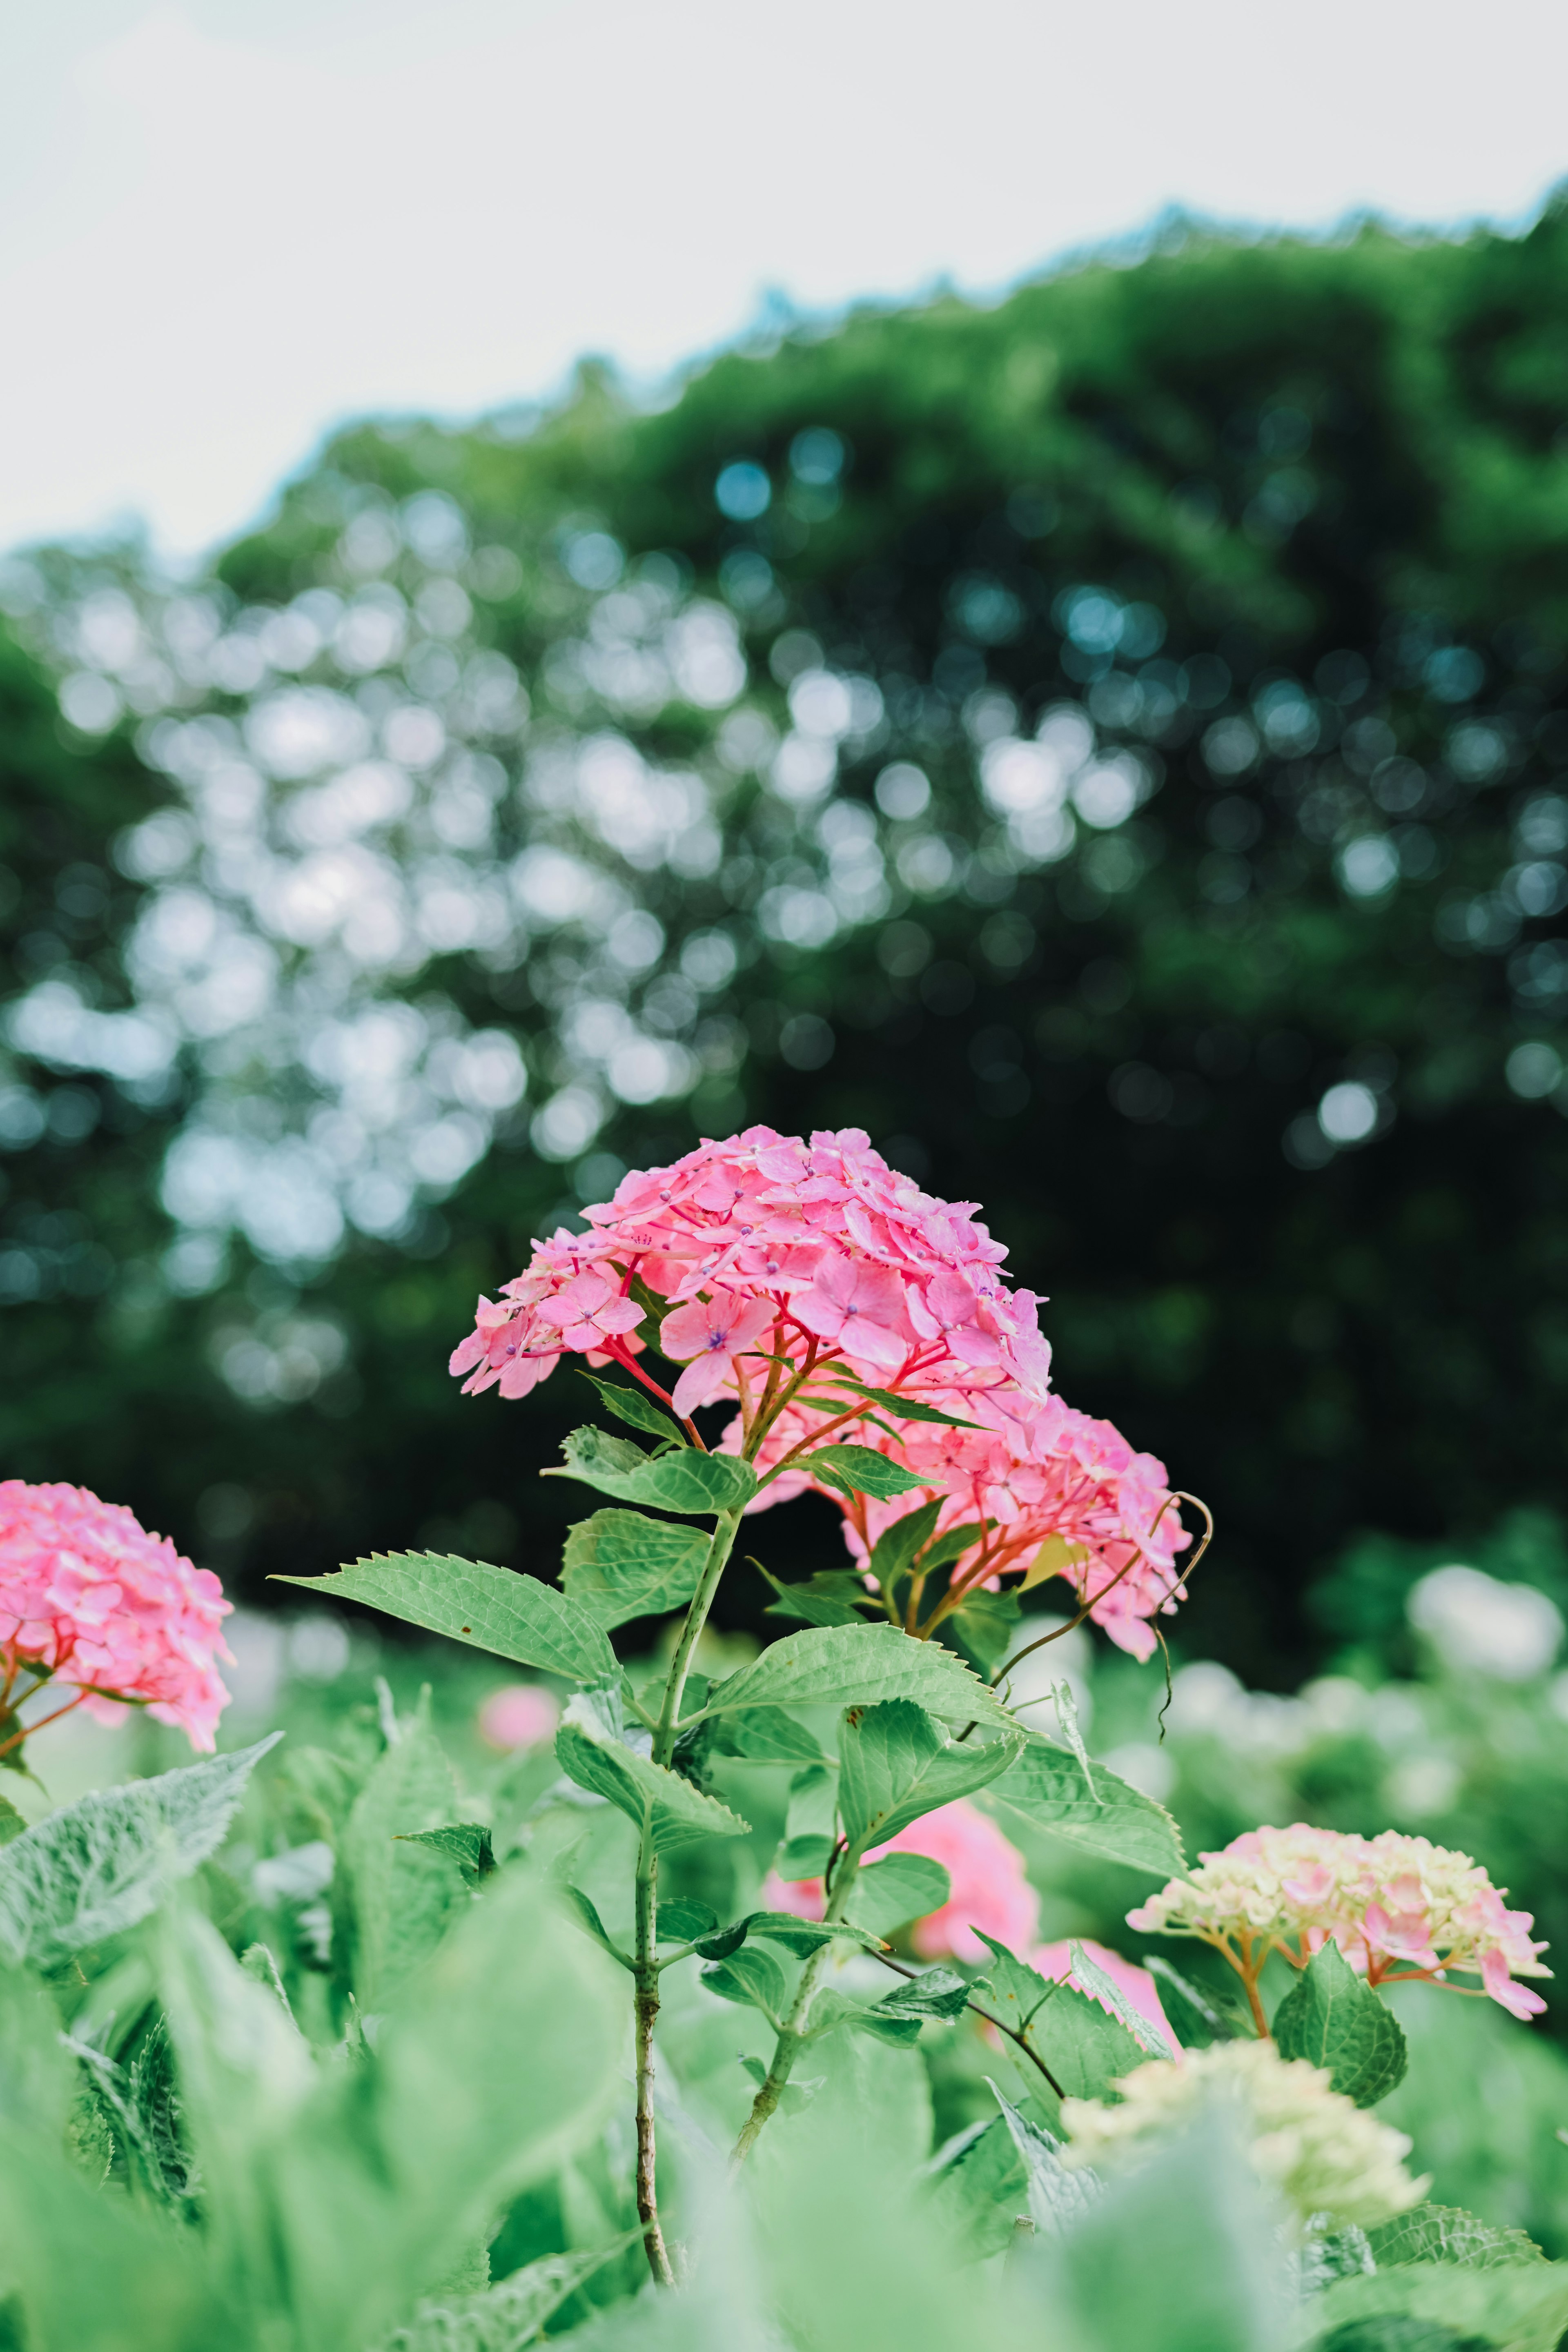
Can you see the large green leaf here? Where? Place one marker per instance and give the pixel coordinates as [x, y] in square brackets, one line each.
[1085, 2049]
[619, 1565]
[894, 1550]
[896, 1763]
[685, 1482]
[856, 1666]
[636, 1409]
[99, 1865]
[505, 2317]
[1518, 2307]
[980, 2189]
[1333, 2018]
[1092, 1978]
[659, 1800]
[1442, 2233]
[1096, 1811]
[1056, 2197]
[402, 1895]
[834, 1596]
[753, 1979]
[858, 1470]
[492, 1609]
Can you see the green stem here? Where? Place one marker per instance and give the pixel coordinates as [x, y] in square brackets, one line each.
[645, 1973]
[792, 2032]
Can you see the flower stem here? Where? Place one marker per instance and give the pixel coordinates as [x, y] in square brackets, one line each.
[645, 1973]
[791, 2032]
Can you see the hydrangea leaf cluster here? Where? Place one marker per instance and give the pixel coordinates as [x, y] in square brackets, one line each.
[1323, 2154]
[90, 1600]
[1398, 1908]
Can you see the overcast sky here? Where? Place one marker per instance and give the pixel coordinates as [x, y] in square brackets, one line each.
[229, 225]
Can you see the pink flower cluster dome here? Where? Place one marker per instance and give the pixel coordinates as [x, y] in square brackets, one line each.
[1047, 1490]
[990, 1890]
[765, 1247]
[108, 1609]
[1397, 1908]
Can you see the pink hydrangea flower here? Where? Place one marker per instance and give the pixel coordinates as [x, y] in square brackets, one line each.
[1398, 1908]
[990, 1890]
[519, 1715]
[855, 1266]
[712, 1332]
[107, 1610]
[1138, 1985]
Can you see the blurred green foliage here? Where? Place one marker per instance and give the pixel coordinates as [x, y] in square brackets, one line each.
[1286, 521]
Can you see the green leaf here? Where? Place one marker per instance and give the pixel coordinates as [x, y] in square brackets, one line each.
[832, 2009]
[588, 1919]
[1518, 2308]
[637, 1409]
[619, 1565]
[658, 1800]
[895, 1764]
[982, 2191]
[402, 1893]
[1333, 2018]
[803, 1937]
[858, 1470]
[892, 1555]
[1443, 2233]
[1056, 2197]
[1085, 2049]
[805, 1856]
[97, 1867]
[1196, 2018]
[492, 1609]
[506, 2316]
[888, 1893]
[856, 1666]
[834, 1596]
[751, 1978]
[12, 1823]
[1095, 1811]
[467, 1843]
[681, 1921]
[935, 1993]
[763, 1735]
[1092, 1978]
[688, 1482]
[908, 1408]
[986, 1626]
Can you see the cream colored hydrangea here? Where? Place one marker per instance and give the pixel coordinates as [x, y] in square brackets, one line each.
[1323, 2154]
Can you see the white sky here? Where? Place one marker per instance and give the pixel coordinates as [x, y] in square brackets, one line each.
[228, 224]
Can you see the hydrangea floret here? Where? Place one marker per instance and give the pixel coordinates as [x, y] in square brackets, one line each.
[90, 1601]
[1324, 2154]
[1398, 1908]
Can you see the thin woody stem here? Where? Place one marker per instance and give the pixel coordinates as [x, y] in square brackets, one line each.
[792, 2032]
[1011, 2031]
[28, 1729]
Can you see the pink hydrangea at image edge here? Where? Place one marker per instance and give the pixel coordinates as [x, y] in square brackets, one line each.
[1056, 1961]
[87, 1591]
[989, 1891]
[519, 1715]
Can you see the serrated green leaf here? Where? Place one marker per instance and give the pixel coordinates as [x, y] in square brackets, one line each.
[1196, 2018]
[907, 1408]
[1520, 2307]
[1085, 2049]
[12, 1823]
[751, 1978]
[636, 1409]
[1090, 1978]
[1097, 1812]
[1443, 2233]
[982, 2190]
[858, 1470]
[888, 1893]
[619, 1565]
[901, 2032]
[1056, 2197]
[402, 1895]
[658, 1800]
[762, 1735]
[935, 1993]
[858, 1665]
[467, 1843]
[894, 1550]
[895, 1764]
[1331, 2017]
[587, 1915]
[986, 1627]
[686, 1482]
[487, 1608]
[96, 1867]
[834, 1596]
[510, 2315]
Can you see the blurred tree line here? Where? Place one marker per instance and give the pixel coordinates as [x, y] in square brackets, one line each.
[1110, 745]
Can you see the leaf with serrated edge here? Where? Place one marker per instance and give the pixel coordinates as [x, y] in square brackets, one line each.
[487, 1608]
[97, 1867]
[936, 1992]
[858, 1470]
[908, 1408]
[888, 1893]
[895, 1765]
[636, 1409]
[1444, 2234]
[619, 1565]
[686, 1482]
[1102, 1813]
[659, 1800]
[1199, 2019]
[751, 1978]
[467, 1843]
[1333, 2018]
[1090, 1978]
[895, 1548]
[765, 1735]
[856, 1666]
[1057, 2196]
[834, 1596]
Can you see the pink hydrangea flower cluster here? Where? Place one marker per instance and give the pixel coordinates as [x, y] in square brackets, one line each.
[1048, 1491]
[1398, 1908]
[87, 1595]
[772, 1256]
[990, 1890]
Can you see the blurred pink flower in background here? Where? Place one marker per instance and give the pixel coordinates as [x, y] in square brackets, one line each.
[1056, 1961]
[990, 1890]
[519, 1715]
